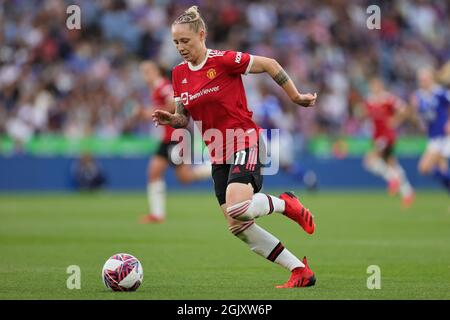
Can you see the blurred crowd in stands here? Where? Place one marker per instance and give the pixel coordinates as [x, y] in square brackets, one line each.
[87, 82]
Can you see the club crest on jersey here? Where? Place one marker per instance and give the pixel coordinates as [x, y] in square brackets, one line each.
[211, 73]
[238, 57]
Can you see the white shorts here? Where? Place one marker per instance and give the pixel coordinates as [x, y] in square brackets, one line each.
[439, 145]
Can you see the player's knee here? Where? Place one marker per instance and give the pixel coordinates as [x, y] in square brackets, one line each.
[184, 176]
[238, 192]
[240, 211]
[154, 175]
[184, 179]
[424, 169]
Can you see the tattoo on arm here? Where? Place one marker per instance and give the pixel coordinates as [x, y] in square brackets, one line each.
[281, 77]
[180, 108]
[181, 118]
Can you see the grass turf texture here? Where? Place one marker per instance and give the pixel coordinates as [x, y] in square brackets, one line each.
[193, 256]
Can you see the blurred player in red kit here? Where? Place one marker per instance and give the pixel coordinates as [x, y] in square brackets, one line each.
[208, 88]
[386, 112]
[162, 98]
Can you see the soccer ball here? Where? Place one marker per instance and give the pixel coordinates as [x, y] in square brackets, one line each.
[122, 272]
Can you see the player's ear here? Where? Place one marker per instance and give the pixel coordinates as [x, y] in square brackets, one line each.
[202, 35]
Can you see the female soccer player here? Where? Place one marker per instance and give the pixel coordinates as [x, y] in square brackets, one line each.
[162, 97]
[208, 87]
[432, 105]
[386, 112]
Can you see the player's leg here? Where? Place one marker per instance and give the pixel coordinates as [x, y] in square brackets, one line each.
[432, 162]
[374, 163]
[156, 189]
[398, 182]
[259, 240]
[268, 246]
[189, 173]
[405, 188]
[244, 204]
[262, 204]
[156, 186]
[428, 162]
[444, 173]
[443, 162]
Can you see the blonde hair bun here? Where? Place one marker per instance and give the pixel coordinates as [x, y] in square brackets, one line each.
[193, 17]
[193, 10]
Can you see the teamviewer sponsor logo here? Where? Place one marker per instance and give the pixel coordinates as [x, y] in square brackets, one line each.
[203, 92]
[186, 97]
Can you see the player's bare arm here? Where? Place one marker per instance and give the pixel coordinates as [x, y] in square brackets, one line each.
[179, 119]
[279, 75]
[170, 105]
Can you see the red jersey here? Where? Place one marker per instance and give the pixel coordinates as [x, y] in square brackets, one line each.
[381, 111]
[161, 92]
[214, 94]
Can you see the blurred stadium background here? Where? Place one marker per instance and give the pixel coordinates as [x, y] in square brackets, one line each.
[69, 94]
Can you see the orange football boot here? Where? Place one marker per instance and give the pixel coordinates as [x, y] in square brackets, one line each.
[150, 218]
[297, 212]
[300, 277]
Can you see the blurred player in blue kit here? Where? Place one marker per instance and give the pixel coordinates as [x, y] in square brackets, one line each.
[431, 104]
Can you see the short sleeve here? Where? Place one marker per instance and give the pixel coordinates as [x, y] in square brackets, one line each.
[236, 62]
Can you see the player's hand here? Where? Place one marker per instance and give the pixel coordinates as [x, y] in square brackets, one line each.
[161, 117]
[306, 100]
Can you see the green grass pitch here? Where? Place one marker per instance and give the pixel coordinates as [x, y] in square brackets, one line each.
[193, 256]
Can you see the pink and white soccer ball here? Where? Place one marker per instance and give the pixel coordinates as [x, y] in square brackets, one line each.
[122, 272]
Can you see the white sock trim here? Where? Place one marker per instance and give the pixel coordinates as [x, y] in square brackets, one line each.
[260, 205]
[237, 210]
[288, 260]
